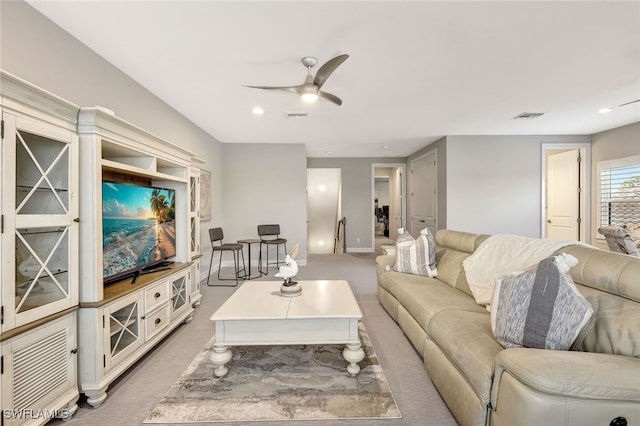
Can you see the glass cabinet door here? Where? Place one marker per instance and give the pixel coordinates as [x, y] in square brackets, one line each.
[179, 294]
[39, 208]
[42, 267]
[194, 213]
[123, 329]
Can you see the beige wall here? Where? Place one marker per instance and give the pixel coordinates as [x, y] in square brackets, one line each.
[38, 51]
[265, 184]
[608, 145]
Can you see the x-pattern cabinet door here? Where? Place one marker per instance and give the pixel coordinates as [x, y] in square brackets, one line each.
[123, 329]
[40, 214]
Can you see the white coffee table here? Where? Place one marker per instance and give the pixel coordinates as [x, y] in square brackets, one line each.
[257, 314]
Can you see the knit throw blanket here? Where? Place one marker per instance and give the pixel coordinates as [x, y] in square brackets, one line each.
[503, 254]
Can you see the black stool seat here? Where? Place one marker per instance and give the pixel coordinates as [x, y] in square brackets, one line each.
[228, 246]
[216, 235]
[270, 236]
[274, 241]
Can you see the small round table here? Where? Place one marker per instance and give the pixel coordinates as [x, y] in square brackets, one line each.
[248, 242]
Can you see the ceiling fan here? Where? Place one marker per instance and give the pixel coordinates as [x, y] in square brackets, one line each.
[628, 103]
[309, 91]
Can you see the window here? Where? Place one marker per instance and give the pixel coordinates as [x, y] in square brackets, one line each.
[619, 191]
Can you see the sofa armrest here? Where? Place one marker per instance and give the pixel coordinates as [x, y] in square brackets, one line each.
[385, 260]
[572, 374]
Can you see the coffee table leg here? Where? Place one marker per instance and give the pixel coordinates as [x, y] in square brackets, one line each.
[353, 353]
[220, 356]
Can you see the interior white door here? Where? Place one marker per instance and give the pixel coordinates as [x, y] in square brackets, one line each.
[395, 202]
[563, 195]
[423, 194]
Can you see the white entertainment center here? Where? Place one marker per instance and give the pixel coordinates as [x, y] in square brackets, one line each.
[123, 321]
[62, 332]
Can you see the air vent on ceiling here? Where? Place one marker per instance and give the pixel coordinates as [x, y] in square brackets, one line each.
[297, 115]
[528, 115]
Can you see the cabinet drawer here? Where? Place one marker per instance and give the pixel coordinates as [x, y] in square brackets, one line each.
[156, 295]
[156, 321]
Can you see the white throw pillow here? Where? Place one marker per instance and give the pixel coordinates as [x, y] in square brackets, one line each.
[541, 307]
[416, 256]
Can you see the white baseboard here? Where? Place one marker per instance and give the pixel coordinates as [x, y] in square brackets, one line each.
[229, 264]
[359, 250]
[254, 264]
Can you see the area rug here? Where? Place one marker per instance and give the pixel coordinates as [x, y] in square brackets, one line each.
[298, 382]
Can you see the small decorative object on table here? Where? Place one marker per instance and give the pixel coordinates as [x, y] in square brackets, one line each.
[287, 271]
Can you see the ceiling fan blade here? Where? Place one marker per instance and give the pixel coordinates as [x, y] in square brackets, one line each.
[330, 97]
[327, 69]
[632, 102]
[292, 89]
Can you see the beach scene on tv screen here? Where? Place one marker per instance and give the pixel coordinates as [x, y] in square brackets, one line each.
[138, 226]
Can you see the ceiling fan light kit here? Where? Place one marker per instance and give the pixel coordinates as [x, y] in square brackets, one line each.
[310, 91]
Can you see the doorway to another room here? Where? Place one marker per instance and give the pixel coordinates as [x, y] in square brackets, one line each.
[565, 191]
[388, 188]
[324, 210]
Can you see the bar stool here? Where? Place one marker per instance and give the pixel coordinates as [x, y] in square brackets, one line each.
[270, 236]
[216, 235]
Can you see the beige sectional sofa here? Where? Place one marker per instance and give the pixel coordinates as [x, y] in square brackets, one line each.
[597, 382]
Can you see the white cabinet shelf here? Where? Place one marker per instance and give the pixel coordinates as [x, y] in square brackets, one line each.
[123, 167]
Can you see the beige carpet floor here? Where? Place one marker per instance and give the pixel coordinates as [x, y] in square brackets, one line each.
[134, 395]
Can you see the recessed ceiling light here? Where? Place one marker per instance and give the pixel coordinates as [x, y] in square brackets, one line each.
[386, 147]
[329, 152]
[605, 110]
[257, 110]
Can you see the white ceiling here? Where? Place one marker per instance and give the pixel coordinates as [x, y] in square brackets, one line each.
[417, 70]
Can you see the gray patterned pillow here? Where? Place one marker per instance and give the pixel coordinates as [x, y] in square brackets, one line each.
[416, 256]
[539, 308]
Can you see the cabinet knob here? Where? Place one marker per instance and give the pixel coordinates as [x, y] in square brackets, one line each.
[76, 220]
[157, 321]
[156, 295]
[143, 317]
[74, 351]
[618, 421]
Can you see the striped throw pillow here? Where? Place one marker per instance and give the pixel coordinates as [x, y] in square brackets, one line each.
[416, 256]
[539, 308]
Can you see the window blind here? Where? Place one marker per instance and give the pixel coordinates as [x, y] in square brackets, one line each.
[620, 191]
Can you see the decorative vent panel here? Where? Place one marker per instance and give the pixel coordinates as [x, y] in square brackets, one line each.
[38, 369]
[528, 115]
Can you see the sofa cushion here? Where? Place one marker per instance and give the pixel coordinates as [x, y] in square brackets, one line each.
[539, 308]
[450, 269]
[416, 256]
[466, 340]
[424, 299]
[393, 281]
[609, 281]
[615, 325]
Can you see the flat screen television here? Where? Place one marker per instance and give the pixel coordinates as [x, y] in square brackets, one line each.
[138, 230]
